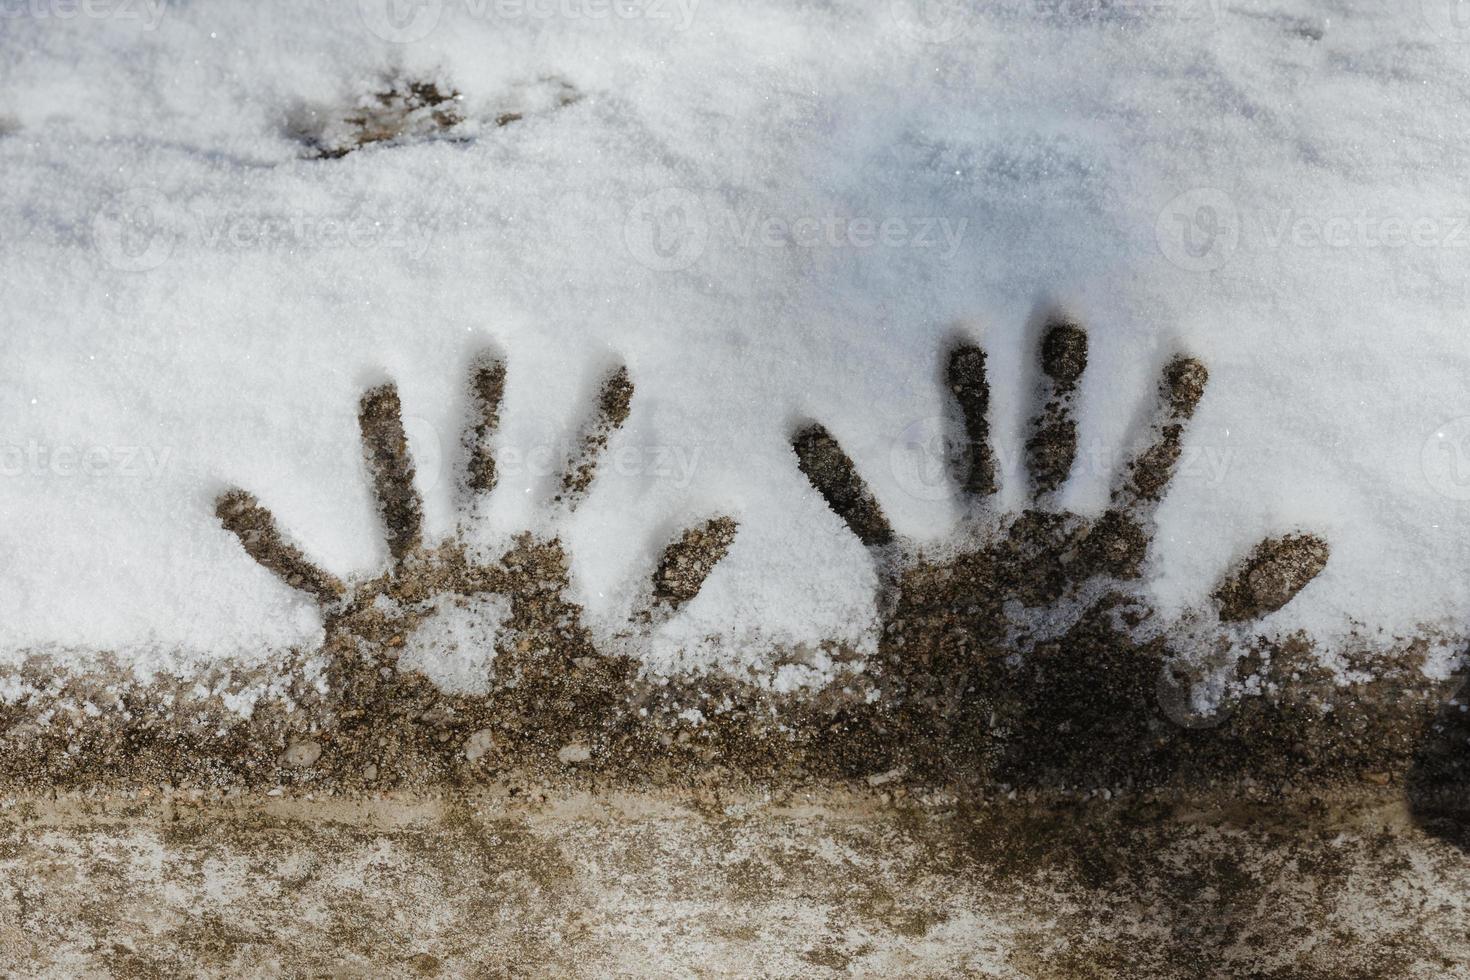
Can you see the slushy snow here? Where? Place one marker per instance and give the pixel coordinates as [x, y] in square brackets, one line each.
[771, 212]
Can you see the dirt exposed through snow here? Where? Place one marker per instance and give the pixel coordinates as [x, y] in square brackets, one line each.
[1024, 661]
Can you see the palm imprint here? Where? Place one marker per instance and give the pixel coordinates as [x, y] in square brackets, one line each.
[1043, 632]
[373, 617]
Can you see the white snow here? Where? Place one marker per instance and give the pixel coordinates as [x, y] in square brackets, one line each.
[771, 212]
[454, 645]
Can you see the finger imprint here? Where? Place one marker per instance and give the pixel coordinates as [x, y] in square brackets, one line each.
[975, 464]
[1052, 447]
[386, 449]
[832, 474]
[1148, 474]
[613, 405]
[487, 389]
[243, 516]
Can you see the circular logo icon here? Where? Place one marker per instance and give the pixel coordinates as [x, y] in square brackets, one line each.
[401, 21]
[667, 230]
[921, 459]
[1449, 19]
[136, 231]
[1445, 459]
[1175, 692]
[930, 21]
[1199, 230]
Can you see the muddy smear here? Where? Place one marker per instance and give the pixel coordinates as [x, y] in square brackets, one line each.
[405, 111]
[1439, 781]
[402, 111]
[1027, 662]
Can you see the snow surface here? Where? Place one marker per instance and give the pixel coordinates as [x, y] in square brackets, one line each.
[1275, 187]
[454, 646]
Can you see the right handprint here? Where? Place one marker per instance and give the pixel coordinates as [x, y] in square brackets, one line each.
[1035, 655]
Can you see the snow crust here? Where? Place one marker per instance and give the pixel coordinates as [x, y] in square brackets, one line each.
[455, 644]
[770, 213]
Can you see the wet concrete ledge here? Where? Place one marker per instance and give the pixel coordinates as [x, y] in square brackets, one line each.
[522, 879]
